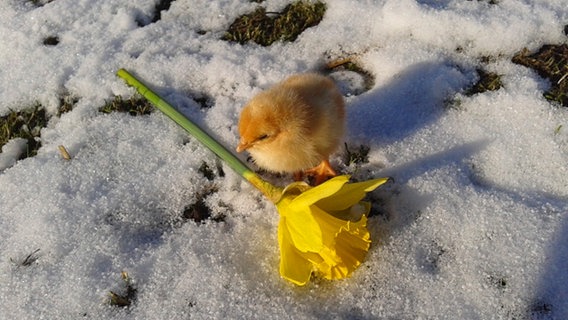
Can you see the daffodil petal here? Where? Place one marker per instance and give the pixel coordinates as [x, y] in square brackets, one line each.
[349, 195]
[345, 244]
[324, 190]
[330, 226]
[293, 266]
[347, 257]
[305, 233]
[352, 246]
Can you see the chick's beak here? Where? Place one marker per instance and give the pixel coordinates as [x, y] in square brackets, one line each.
[243, 146]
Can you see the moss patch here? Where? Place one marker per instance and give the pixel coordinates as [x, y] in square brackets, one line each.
[127, 294]
[25, 124]
[550, 62]
[488, 81]
[66, 103]
[265, 28]
[350, 64]
[135, 106]
[357, 156]
[28, 122]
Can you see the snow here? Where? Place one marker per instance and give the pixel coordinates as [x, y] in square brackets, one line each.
[474, 227]
[11, 151]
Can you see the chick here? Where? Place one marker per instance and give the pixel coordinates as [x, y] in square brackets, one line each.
[294, 126]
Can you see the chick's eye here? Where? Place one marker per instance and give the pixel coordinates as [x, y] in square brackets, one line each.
[262, 137]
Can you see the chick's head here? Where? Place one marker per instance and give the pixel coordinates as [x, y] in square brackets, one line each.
[273, 128]
[257, 128]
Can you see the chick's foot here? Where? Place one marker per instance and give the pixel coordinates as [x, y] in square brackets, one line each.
[321, 172]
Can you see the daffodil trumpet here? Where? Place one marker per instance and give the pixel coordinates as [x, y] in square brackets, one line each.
[322, 229]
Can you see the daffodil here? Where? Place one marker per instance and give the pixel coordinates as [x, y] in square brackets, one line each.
[322, 229]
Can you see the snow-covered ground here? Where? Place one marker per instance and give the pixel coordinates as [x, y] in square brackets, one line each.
[474, 227]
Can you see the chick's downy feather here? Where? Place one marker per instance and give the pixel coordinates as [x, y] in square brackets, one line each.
[295, 125]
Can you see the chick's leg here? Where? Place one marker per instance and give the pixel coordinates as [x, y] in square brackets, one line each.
[321, 172]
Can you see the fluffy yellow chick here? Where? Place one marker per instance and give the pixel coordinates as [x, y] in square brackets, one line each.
[294, 126]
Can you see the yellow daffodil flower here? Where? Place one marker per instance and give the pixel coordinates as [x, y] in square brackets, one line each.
[322, 229]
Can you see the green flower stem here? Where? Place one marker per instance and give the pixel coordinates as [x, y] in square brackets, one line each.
[234, 162]
[269, 190]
